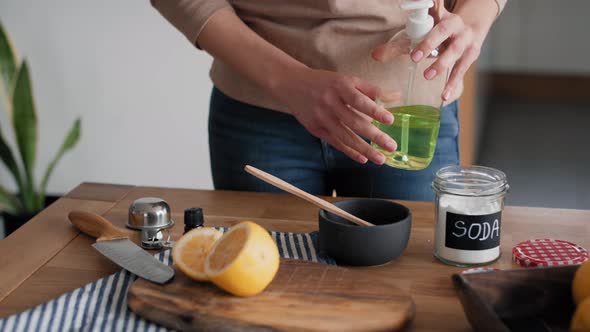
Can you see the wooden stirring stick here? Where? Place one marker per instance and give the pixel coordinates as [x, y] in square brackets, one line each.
[306, 196]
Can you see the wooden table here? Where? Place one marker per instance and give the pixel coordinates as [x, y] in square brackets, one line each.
[48, 257]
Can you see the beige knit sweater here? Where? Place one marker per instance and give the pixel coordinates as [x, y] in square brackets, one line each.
[335, 35]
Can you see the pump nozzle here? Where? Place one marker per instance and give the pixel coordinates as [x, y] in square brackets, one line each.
[419, 22]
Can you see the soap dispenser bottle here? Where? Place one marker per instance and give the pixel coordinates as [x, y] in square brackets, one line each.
[414, 101]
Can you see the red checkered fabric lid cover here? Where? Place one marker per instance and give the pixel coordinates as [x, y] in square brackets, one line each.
[548, 252]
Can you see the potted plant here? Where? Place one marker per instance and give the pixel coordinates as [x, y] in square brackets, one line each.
[17, 99]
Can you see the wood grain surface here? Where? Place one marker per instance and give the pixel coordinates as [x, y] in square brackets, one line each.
[303, 296]
[322, 204]
[39, 240]
[48, 257]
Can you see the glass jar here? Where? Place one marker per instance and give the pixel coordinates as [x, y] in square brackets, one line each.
[468, 211]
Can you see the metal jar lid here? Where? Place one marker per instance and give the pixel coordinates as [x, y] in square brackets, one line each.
[149, 213]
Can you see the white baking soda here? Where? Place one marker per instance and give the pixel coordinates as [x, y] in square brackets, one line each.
[469, 206]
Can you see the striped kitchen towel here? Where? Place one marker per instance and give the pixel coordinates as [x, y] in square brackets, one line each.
[102, 305]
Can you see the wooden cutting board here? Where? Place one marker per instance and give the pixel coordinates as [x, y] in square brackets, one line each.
[303, 296]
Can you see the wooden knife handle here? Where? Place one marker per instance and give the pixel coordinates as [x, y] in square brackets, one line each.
[96, 226]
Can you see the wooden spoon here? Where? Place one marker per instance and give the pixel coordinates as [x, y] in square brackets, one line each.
[306, 196]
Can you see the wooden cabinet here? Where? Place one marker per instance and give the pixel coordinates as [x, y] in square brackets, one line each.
[467, 117]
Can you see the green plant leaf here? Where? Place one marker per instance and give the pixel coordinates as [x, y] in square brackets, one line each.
[8, 202]
[24, 122]
[8, 61]
[7, 157]
[69, 142]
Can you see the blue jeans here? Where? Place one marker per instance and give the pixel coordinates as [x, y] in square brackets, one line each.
[241, 134]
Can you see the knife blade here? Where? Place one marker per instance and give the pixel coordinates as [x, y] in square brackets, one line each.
[114, 244]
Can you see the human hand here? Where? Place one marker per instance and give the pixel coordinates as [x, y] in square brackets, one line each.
[458, 42]
[337, 109]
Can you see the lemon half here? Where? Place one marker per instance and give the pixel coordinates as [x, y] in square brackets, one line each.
[190, 251]
[244, 260]
[581, 320]
[581, 283]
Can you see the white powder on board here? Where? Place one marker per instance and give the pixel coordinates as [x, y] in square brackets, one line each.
[465, 206]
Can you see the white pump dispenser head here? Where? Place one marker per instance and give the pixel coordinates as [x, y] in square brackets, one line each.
[419, 23]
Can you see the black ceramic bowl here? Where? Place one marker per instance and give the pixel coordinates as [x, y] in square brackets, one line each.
[350, 244]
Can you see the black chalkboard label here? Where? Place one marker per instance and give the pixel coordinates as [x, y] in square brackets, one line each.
[473, 232]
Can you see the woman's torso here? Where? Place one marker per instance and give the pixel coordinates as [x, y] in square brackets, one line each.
[336, 35]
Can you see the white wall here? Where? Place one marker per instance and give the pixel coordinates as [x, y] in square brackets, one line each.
[141, 89]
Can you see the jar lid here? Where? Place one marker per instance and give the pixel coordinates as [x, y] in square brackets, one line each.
[149, 213]
[548, 252]
[193, 217]
[470, 181]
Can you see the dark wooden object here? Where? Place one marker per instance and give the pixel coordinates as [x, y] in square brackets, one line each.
[531, 299]
[303, 297]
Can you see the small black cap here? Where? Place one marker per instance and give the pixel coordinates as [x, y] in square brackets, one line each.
[193, 217]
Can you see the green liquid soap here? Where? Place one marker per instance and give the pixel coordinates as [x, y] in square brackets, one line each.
[415, 129]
